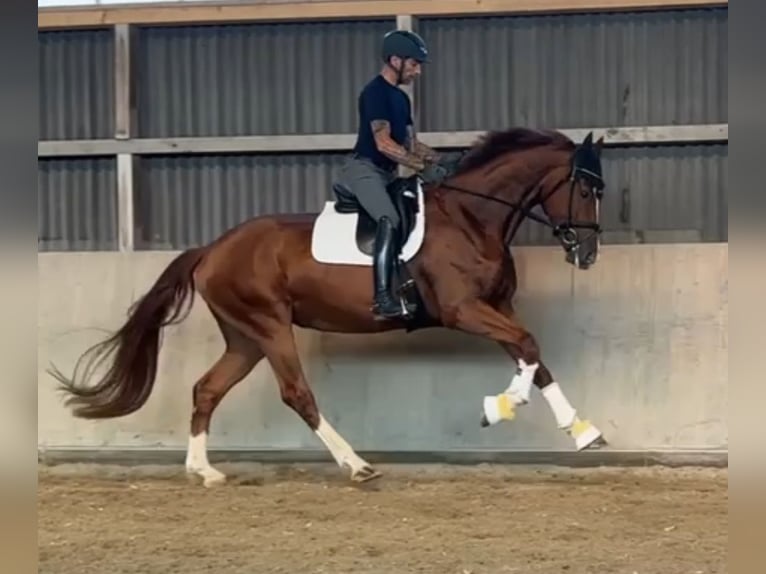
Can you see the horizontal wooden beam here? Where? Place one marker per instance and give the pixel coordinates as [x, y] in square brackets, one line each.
[344, 142]
[626, 135]
[218, 12]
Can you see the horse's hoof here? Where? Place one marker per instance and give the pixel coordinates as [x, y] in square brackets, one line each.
[484, 421]
[600, 442]
[365, 474]
[591, 439]
[213, 481]
[209, 477]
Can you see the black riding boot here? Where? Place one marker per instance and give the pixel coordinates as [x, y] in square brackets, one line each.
[385, 306]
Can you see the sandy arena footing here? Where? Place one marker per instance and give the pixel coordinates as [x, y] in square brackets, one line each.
[417, 518]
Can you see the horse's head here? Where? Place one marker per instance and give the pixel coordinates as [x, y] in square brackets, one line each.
[521, 168]
[570, 196]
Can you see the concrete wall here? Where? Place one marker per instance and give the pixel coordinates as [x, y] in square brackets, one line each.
[640, 344]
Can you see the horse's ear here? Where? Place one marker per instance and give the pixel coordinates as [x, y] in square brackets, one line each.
[599, 145]
[588, 141]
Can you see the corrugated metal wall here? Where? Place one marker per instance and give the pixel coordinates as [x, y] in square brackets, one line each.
[188, 200]
[575, 70]
[76, 71]
[244, 79]
[664, 193]
[658, 194]
[667, 193]
[77, 204]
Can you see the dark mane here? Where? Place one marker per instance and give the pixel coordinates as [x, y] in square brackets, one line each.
[495, 143]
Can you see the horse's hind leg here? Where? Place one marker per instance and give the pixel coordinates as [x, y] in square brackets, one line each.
[273, 334]
[282, 354]
[239, 358]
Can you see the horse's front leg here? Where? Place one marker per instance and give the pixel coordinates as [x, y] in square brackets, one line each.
[481, 319]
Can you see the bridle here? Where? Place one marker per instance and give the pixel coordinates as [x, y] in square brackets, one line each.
[566, 232]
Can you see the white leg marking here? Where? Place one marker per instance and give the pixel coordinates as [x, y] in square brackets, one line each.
[583, 432]
[342, 452]
[502, 407]
[197, 463]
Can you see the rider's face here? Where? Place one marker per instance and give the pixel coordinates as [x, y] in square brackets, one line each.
[410, 69]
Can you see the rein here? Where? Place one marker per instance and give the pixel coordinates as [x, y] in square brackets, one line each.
[566, 231]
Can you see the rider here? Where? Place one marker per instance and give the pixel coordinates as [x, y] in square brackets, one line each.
[386, 139]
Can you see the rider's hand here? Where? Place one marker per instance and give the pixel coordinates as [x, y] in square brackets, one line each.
[434, 173]
[451, 162]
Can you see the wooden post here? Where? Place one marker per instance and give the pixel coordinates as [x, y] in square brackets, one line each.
[125, 224]
[124, 120]
[124, 129]
[406, 22]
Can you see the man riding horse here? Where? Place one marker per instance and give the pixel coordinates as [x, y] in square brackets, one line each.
[385, 140]
[260, 280]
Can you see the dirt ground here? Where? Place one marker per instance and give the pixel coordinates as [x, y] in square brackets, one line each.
[435, 519]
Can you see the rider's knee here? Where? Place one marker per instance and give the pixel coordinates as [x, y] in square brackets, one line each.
[391, 218]
[393, 221]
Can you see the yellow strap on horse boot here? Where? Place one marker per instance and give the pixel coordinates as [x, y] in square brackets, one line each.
[499, 408]
[584, 433]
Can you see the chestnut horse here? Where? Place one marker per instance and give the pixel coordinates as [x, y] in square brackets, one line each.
[260, 278]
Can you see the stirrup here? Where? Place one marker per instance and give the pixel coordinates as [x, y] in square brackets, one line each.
[389, 308]
[408, 284]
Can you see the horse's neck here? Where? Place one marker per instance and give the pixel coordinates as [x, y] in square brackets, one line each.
[506, 183]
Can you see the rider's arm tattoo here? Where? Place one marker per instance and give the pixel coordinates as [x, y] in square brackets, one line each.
[420, 149]
[381, 130]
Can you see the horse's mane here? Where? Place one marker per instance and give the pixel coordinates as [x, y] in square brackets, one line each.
[495, 143]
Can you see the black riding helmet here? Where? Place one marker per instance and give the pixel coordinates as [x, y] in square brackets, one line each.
[404, 44]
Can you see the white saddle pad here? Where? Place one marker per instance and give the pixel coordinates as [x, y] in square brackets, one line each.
[333, 239]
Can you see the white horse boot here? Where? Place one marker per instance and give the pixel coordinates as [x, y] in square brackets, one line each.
[502, 407]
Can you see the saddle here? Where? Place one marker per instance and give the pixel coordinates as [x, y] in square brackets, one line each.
[403, 194]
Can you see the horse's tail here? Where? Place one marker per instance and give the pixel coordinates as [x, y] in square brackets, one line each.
[128, 382]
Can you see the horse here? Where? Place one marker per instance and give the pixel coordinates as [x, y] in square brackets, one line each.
[273, 271]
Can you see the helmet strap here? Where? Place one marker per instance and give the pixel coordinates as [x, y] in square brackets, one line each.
[400, 72]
